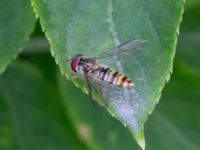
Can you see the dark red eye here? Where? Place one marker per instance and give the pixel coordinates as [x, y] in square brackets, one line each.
[75, 62]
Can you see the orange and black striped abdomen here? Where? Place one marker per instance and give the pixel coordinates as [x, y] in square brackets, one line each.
[112, 77]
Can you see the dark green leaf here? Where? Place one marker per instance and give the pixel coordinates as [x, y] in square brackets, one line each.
[17, 22]
[188, 43]
[191, 19]
[191, 4]
[7, 135]
[38, 119]
[188, 49]
[175, 124]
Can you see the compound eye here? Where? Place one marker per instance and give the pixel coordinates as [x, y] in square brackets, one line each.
[74, 64]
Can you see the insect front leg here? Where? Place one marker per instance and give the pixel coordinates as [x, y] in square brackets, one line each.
[73, 77]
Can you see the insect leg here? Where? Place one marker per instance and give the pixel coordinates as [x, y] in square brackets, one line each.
[99, 92]
[89, 88]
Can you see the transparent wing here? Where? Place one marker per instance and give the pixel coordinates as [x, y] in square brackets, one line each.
[123, 50]
[106, 94]
[109, 94]
[95, 91]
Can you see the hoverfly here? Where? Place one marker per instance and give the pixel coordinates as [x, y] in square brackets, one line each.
[94, 72]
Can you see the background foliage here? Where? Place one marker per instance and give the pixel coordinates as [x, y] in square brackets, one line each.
[38, 111]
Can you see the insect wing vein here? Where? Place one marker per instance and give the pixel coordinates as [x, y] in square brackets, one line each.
[123, 51]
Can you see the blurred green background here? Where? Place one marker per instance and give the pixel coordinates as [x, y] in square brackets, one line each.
[37, 110]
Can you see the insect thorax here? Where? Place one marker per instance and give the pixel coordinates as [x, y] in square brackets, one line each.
[87, 65]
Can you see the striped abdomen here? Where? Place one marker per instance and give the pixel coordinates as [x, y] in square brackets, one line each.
[111, 76]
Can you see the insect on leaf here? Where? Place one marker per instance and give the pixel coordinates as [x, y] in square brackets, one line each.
[89, 27]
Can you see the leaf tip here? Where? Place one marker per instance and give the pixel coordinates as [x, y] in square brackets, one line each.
[140, 138]
[141, 143]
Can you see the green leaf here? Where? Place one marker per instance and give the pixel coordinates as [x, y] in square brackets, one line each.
[7, 135]
[94, 127]
[89, 27]
[188, 48]
[191, 3]
[17, 22]
[37, 117]
[191, 19]
[174, 124]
